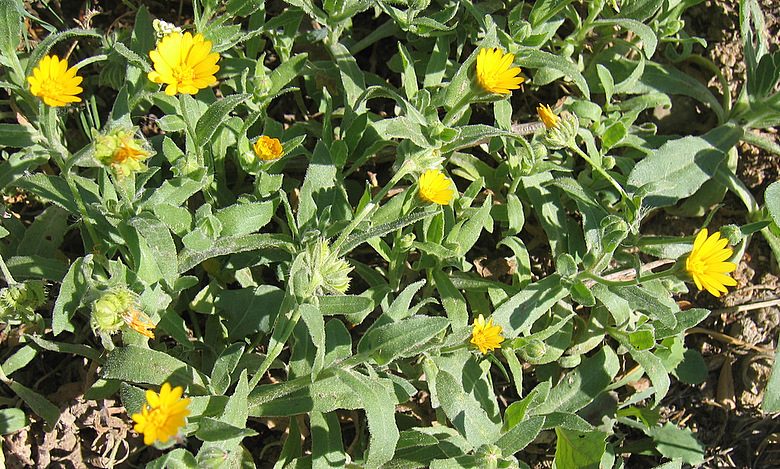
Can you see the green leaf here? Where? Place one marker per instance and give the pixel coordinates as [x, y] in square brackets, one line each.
[771, 402]
[518, 313]
[244, 218]
[772, 200]
[224, 366]
[160, 243]
[379, 404]
[10, 27]
[18, 136]
[210, 429]
[582, 384]
[74, 287]
[217, 113]
[140, 365]
[579, 450]
[520, 435]
[679, 167]
[316, 327]
[12, 420]
[451, 298]
[63, 347]
[327, 450]
[673, 442]
[644, 32]
[189, 258]
[543, 10]
[534, 58]
[465, 411]
[38, 404]
[401, 339]
[693, 369]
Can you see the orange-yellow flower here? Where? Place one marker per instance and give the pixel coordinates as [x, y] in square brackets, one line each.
[54, 82]
[162, 415]
[435, 187]
[184, 62]
[495, 72]
[486, 336]
[548, 117]
[267, 148]
[707, 265]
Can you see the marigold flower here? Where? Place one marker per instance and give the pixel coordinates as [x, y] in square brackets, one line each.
[184, 62]
[268, 148]
[435, 187]
[162, 415]
[548, 117]
[494, 73]
[707, 265]
[486, 336]
[53, 81]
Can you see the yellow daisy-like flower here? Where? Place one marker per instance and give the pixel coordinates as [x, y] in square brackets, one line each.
[162, 414]
[184, 62]
[268, 148]
[53, 81]
[495, 72]
[435, 187]
[551, 121]
[486, 336]
[707, 264]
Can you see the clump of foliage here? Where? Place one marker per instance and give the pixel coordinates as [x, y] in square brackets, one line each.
[297, 235]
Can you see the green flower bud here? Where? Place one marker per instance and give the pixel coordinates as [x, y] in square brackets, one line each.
[19, 301]
[564, 135]
[328, 273]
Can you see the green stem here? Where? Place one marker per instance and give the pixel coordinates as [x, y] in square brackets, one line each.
[9, 279]
[624, 283]
[60, 154]
[369, 207]
[457, 110]
[601, 171]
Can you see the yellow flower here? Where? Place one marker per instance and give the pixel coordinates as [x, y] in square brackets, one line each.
[551, 121]
[435, 187]
[494, 73]
[184, 62]
[162, 414]
[53, 81]
[707, 264]
[486, 336]
[268, 148]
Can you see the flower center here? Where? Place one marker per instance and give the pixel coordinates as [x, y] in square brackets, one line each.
[696, 266]
[157, 418]
[183, 73]
[52, 88]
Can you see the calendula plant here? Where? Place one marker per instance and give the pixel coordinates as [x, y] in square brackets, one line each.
[298, 233]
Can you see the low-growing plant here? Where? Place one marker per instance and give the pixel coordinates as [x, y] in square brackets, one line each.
[297, 234]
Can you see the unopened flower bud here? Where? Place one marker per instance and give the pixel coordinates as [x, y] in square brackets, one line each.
[121, 151]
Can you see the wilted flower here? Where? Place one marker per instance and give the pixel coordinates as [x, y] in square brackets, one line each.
[435, 187]
[706, 264]
[53, 81]
[495, 72]
[162, 415]
[486, 336]
[163, 28]
[548, 117]
[268, 148]
[121, 150]
[184, 62]
[116, 308]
